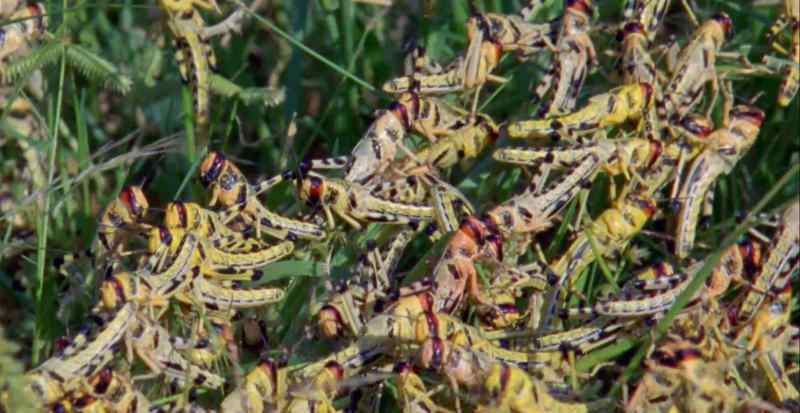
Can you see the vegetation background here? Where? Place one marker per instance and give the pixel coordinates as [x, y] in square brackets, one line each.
[329, 57]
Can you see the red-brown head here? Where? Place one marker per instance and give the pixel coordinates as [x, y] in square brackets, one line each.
[725, 21]
[211, 168]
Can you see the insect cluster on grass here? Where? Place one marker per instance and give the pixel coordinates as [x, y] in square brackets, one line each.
[493, 324]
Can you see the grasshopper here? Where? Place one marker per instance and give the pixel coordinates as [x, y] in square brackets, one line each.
[529, 212]
[466, 74]
[465, 142]
[693, 131]
[694, 68]
[14, 38]
[142, 334]
[379, 336]
[225, 299]
[468, 362]
[91, 356]
[116, 391]
[470, 72]
[350, 309]
[620, 157]
[783, 254]
[603, 111]
[414, 397]
[377, 149]
[122, 218]
[355, 204]
[502, 313]
[732, 267]
[230, 189]
[612, 231]
[511, 33]
[430, 117]
[215, 262]
[675, 363]
[635, 64]
[193, 218]
[790, 16]
[147, 339]
[264, 387]
[195, 56]
[723, 150]
[769, 333]
[317, 396]
[575, 54]
[450, 206]
[510, 388]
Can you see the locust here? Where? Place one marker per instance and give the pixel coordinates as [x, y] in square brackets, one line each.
[264, 387]
[733, 267]
[237, 197]
[611, 231]
[15, 37]
[723, 150]
[512, 33]
[465, 142]
[694, 68]
[574, 56]
[789, 16]
[349, 310]
[455, 272]
[511, 389]
[602, 111]
[769, 336]
[224, 299]
[378, 148]
[414, 397]
[119, 222]
[195, 56]
[354, 203]
[80, 360]
[635, 64]
[212, 261]
[116, 391]
[468, 363]
[782, 257]
[468, 73]
[628, 157]
[147, 339]
[317, 396]
[193, 218]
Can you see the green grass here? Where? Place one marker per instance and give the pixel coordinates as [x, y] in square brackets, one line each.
[110, 91]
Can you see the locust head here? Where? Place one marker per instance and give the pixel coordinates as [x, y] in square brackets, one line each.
[725, 22]
[312, 190]
[134, 201]
[211, 168]
[330, 321]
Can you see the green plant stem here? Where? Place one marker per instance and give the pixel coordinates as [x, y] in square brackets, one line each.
[43, 222]
[298, 44]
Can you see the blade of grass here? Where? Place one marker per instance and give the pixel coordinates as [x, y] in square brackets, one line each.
[43, 223]
[311, 52]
